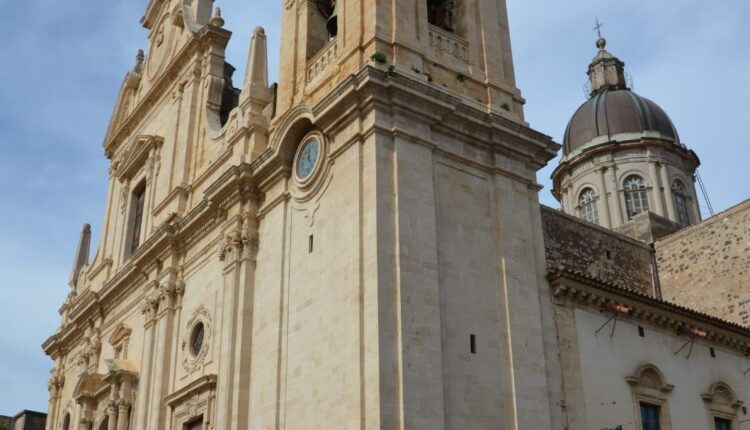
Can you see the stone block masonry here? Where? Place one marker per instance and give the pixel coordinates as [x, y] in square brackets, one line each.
[707, 267]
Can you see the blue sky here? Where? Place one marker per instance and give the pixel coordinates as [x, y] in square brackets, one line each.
[63, 63]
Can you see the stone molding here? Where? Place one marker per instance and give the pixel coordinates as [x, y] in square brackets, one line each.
[195, 399]
[163, 84]
[585, 290]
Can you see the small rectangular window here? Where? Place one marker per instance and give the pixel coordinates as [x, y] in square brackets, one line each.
[641, 332]
[195, 425]
[310, 244]
[713, 352]
[650, 416]
[723, 424]
[609, 254]
[139, 199]
[473, 343]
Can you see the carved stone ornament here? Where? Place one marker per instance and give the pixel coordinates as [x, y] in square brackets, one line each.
[191, 406]
[124, 191]
[288, 4]
[194, 362]
[161, 47]
[238, 243]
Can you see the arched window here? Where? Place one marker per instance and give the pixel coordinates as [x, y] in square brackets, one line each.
[66, 422]
[587, 206]
[636, 197]
[442, 13]
[104, 424]
[650, 394]
[722, 405]
[680, 202]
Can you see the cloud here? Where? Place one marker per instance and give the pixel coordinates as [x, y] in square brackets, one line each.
[64, 63]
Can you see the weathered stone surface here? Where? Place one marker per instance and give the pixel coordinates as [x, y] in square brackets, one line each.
[583, 247]
[648, 227]
[707, 266]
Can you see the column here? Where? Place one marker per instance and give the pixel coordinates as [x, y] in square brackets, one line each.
[618, 219]
[123, 415]
[124, 404]
[656, 194]
[112, 416]
[668, 193]
[605, 218]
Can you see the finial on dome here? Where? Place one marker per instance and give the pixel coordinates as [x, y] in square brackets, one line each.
[217, 20]
[601, 43]
[606, 71]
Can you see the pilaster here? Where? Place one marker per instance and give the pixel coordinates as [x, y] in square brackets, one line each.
[656, 188]
[616, 200]
[668, 193]
[606, 215]
[238, 252]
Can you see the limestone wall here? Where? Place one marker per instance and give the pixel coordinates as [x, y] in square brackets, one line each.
[707, 267]
[611, 400]
[583, 247]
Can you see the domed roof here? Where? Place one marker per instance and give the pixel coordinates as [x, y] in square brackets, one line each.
[610, 112]
[613, 108]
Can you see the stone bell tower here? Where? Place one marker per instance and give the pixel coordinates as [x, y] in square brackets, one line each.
[406, 216]
[462, 46]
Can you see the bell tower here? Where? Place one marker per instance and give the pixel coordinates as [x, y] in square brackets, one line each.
[462, 46]
[406, 196]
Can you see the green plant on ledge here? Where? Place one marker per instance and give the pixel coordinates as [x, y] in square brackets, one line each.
[460, 77]
[505, 106]
[379, 57]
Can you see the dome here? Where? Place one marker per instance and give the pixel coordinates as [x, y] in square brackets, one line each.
[613, 112]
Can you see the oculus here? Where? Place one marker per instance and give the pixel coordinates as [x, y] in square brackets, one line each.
[196, 338]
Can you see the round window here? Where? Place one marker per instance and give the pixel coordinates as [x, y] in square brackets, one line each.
[196, 338]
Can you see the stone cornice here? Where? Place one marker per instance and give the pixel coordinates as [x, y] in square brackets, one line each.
[235, 185]
[201, 384]
[586, 290]
[398, 89]
[571, 161]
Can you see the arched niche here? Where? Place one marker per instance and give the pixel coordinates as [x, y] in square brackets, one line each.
[295, 125]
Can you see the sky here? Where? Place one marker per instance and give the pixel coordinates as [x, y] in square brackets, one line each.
[63, 63]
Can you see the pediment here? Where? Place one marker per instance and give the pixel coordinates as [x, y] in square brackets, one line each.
[121, 332]
[89, 385]
[136, 156]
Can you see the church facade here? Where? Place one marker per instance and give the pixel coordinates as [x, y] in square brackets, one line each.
[361, 245]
